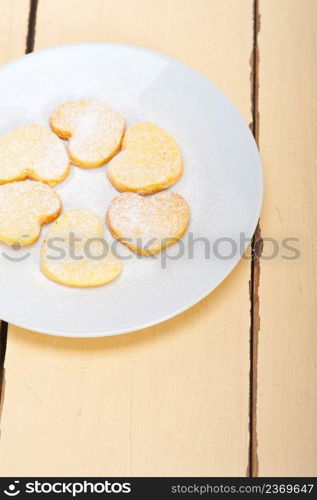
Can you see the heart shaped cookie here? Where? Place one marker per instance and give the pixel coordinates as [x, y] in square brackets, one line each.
[32, 151]
[94, 131]
[147, 225]
[74, 252]
[149, 162]
[24, 207]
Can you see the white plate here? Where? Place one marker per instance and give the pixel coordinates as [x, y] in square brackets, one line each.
[222, 183]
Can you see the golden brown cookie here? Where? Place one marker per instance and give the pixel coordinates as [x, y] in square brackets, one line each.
[147, 225]
[94, 131]
[75, 253]
[24, 207]
[150, 160]
[33, 151]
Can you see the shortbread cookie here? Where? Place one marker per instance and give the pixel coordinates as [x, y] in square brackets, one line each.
[94, 130]
[33, 151]
[150, 161]
[147, 225]
[24, 207]
[75, 253]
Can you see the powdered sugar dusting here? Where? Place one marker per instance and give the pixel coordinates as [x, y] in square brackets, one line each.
[150, 160]
[136, 219]
[32, 151]
[24, 206]
[84, 258]
[95, 130]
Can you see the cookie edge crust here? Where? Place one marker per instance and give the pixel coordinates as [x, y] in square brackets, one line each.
[150, 189]
[30, 174]
[53, 278]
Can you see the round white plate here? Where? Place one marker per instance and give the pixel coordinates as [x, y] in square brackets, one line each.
[222, 183]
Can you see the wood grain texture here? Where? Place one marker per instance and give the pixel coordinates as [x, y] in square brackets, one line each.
[172, 399]
[13, 29]
[13, 36]
[287, 398]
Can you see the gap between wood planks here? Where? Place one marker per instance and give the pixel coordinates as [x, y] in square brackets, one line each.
[3, 324]
[256, 246]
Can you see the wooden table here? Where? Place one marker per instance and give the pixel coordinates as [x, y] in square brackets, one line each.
[227, 388]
